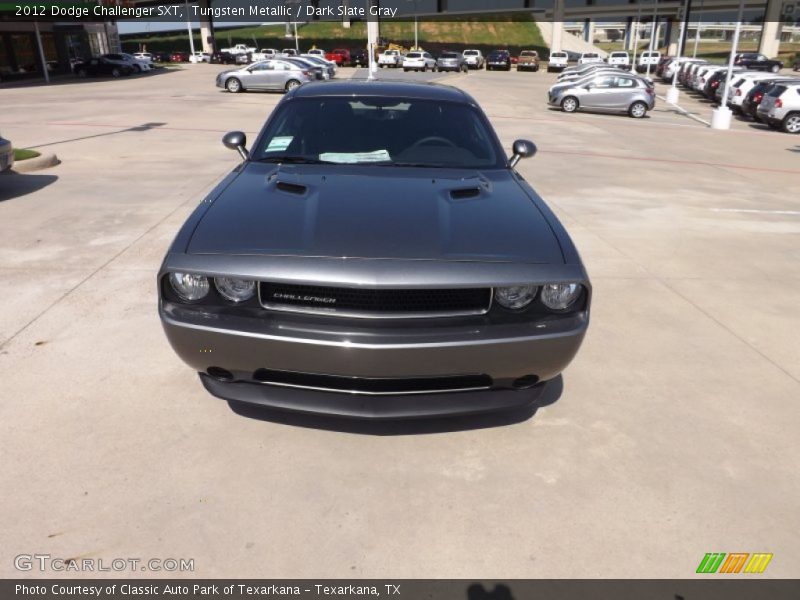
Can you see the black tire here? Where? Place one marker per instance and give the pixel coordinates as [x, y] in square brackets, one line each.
[570, 104]
[292, 84]
[137, 69]
[115, 72]
[81, 73]
[637, 110]
[775, 68]
[405, 70]
[233, 85]
[791, 123]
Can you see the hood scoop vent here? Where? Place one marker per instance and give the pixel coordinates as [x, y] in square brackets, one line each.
[465, 193]
[291, 188]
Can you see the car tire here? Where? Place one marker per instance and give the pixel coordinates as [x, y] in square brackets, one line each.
[233, 85]
[638, 110]
[137, 69]
[292, 84]
[791, 123]
[81, 73]
[115, 72]
[405, 70]
[569, 104]
[775, 68]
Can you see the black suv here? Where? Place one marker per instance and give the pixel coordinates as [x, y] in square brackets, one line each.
[757, 62]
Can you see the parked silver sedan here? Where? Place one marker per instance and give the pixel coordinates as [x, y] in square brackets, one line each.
[606, 92]
[265, 75]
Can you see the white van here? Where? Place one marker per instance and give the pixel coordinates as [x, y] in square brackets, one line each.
[557, 62]
[648, 57]
[619, 59]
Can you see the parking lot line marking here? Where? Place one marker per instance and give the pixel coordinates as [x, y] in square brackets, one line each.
[673, 161]
[684, 112]
[757, 211]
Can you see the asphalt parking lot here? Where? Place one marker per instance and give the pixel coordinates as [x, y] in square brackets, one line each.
[673, 433]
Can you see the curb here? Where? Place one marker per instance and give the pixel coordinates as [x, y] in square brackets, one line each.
[44, 161]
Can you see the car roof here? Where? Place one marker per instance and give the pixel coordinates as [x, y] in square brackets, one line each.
[395, 89]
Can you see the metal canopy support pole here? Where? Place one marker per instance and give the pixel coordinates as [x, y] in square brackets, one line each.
[42, 59]
[697, 31]
[673, 93]
[189, 27]
[721, 116]
[653, 34]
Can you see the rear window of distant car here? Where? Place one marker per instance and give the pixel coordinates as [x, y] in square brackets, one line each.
[590, 55]
[449, 55]
[499, 54]
[470, 53]
[528, 53]
[379, 131]
[558, 55]
[414, 55]
[777, 91]
[619, 54]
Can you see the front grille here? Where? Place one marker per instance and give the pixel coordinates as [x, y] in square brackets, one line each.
[375, 303]
[381, 386]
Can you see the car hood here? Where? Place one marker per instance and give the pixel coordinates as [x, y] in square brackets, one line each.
[376, 212]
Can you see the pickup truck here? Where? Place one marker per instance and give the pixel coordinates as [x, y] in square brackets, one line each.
[340, 56]
[528, 61]
[264, 54]
[239, 49]
[390, 58]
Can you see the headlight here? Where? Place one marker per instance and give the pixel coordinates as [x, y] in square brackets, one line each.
[515, 296]
[560, 296]
[188, 286]
[235, 290]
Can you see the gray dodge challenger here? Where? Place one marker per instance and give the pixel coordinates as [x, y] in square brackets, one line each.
[375, 254]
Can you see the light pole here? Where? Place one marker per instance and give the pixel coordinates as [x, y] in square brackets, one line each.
[636, 36]
[189, 27]
[721, 116]
[697, 31]
[673, 93]
[416, 30]
[653, 34]
[294, 25]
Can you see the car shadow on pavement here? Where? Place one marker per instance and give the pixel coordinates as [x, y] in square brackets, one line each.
[550, 394]
[13, 185]
[67, 79]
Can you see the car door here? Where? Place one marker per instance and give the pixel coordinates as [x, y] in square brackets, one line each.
[622, 92]
[597, 92]
[258, 76]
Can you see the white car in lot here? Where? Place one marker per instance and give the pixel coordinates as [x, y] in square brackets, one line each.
[648, 58]
[742, 84]
[139, 65]
[558, 61]
[390, 58]
[589, 58]
[419, 61]
[145, 56]
[317, 52]
[200, 57]
[473, 58]
[265, 54]
[619, 59]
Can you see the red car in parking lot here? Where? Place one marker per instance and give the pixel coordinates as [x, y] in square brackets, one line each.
[340, 56]
[179, 57]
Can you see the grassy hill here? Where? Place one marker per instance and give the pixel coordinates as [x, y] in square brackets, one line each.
[517, 32]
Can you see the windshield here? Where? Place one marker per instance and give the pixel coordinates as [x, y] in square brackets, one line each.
[413, 55]
[470, 53]
[449, 55]
[527, 53]
[379, 131]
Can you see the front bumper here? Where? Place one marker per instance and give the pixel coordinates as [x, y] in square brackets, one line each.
[312, 347]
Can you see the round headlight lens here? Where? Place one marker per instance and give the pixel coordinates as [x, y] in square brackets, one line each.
[515, 296]
[188, 286]
[560, 296]
[235, 290]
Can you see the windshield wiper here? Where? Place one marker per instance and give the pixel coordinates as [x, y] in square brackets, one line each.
[301, 160]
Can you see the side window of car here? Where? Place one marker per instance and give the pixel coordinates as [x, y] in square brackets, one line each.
[625, 82]
[604, 82]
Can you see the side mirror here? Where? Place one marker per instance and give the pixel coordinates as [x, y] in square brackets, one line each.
[236, 140]
[522, 149]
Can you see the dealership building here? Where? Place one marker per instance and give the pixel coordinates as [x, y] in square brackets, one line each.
[27, 49]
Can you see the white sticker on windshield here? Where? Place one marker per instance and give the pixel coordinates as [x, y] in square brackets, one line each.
[280, 143]
[356, 157]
